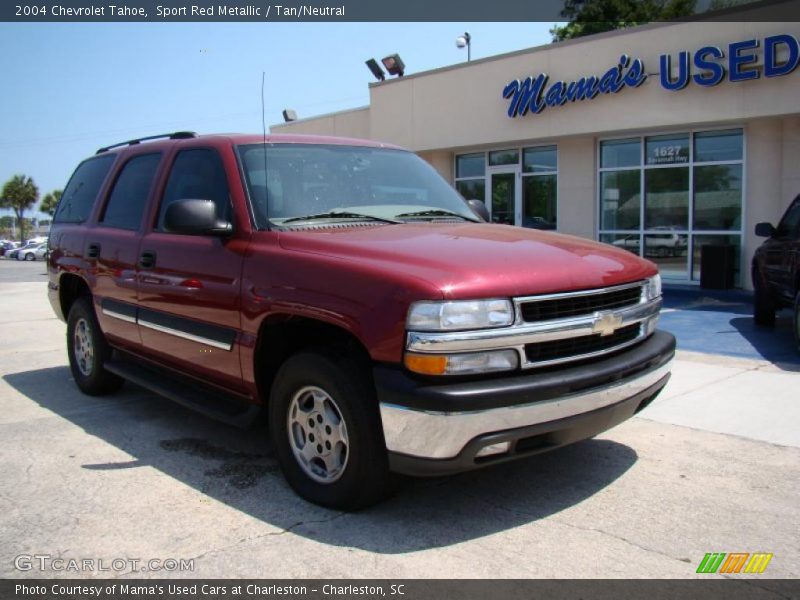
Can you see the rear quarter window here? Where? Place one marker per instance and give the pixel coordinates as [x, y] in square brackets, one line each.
[80, 194]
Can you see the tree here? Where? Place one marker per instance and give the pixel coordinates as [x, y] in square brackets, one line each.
[19, 194]
[596, 16]
[50, 201]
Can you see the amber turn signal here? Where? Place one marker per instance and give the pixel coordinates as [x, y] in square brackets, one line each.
[426, 364]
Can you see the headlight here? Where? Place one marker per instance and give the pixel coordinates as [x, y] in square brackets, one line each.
[652, 287]
[462, 364]
[460, 315]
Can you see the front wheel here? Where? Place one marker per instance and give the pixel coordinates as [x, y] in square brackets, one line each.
[326, 431]
[88, 351]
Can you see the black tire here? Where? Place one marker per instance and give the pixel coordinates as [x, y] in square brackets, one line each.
[90, 375]
[763, 305]
[30, 256]
[364, 478]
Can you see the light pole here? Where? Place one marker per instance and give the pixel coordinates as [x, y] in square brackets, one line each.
[465, 40]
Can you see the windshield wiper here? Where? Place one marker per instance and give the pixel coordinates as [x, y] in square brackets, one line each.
[340, 215]
[434, 212]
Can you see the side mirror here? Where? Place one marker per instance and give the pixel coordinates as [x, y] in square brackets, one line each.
[195, 217]
[765, 230]
[479, 208]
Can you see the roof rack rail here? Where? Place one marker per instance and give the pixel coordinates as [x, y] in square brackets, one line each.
[178, 135]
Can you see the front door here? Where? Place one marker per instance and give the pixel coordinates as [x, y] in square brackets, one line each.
[189, 285]
[504, 197]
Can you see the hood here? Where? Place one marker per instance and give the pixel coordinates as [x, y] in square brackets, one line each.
[477, 260]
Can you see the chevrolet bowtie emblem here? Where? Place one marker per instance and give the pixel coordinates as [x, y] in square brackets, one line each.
[606, 323]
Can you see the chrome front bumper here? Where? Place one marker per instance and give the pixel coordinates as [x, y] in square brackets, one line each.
[438, 435]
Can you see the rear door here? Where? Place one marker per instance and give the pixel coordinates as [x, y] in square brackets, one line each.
[189, 285]
[111, 247]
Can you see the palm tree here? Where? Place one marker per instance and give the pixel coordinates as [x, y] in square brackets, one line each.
[50, 201]
[19, 194]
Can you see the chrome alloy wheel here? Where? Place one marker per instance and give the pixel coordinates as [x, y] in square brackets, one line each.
[83, 347]
[317, 434]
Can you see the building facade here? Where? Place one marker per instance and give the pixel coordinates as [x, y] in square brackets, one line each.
[659, 139]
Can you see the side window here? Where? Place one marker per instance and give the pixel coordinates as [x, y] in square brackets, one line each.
[790, 223]
[79, 196]
[196, 175]
[129, 196]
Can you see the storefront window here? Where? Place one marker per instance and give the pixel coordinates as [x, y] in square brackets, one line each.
[503, 157]
[539, 160]
[470, 165]
[540, 187]
[718, 197]
[666, 197]
[691, 184]
[717, 146]
[472, 189]
[620, 199]
[621, 153]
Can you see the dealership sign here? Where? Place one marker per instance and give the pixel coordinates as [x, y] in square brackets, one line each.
[706, 67]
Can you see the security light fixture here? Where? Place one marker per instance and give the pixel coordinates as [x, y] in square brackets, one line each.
[289, 115]
[376, 69]
[465, 40]
[394, 65]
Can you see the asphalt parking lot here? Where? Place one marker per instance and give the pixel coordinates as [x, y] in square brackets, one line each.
[713, 465]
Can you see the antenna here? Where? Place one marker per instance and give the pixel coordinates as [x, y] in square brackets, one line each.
[264, 130]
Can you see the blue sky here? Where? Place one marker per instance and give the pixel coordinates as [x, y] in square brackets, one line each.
[70, 88]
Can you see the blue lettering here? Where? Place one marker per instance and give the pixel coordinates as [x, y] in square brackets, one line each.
[556, 95]
[736, 61]
[611, 81]
[635, 75]
[583, 89]
[771, 68]
[716, 72]
[666, 71]
[525, 96]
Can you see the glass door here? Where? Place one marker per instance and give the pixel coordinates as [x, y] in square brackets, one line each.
[504, 200]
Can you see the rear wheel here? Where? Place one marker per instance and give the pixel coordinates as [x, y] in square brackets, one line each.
[88, 351]
[30, 256]
[763, 306]
[326, 431]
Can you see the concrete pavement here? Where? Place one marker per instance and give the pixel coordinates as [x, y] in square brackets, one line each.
[712, 466]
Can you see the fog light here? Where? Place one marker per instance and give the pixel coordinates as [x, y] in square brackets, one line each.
[492, 449]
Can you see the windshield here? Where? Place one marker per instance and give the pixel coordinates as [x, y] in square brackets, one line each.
[363, 183]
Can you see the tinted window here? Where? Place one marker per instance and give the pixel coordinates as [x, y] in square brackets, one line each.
[197, 175]
[791, 220]
[471, 165]
[128, 199]
[620, 153]
[718, 145]
[77, 200]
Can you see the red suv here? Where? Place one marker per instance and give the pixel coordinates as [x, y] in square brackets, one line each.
[343, 288]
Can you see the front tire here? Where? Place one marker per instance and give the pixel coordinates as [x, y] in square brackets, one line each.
[763, 306]
[88, 351]
[326, 431]
[796, 322]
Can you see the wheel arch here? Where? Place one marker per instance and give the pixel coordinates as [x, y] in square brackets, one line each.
[70, 288]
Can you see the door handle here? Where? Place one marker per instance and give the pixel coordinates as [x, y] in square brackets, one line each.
[93, 250]
[147, 259]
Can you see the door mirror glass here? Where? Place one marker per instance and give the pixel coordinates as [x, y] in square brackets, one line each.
[195, 217]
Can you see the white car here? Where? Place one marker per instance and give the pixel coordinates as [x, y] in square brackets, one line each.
[33, 252]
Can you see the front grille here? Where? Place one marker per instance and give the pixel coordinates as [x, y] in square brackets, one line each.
[579, 304]
[578, 346]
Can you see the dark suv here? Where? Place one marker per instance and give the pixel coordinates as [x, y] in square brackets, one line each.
[776, 269]
[346, 290]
